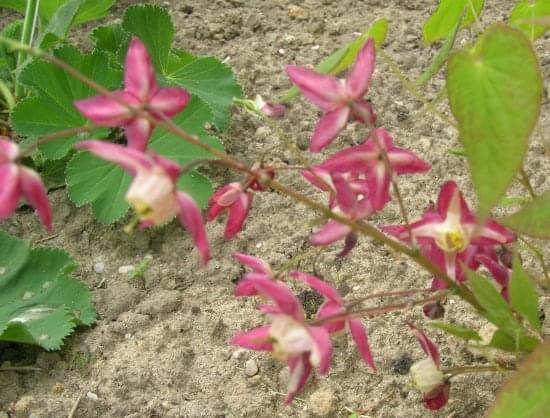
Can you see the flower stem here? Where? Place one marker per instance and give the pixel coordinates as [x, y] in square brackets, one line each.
[524, 179]
[456, 371]
[29, 24]
[56, 135]
[407, 292]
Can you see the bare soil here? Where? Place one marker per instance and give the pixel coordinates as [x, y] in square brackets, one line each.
[160, 347]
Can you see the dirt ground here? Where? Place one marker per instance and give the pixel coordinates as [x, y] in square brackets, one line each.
[160, 347]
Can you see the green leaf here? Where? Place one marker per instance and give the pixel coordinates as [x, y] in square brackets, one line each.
[513, 200]
[59, 24]
[523, 294]
[197, 186]
[525, 16]
[341, 59]
[93, 10]
[39, 303]
[13, 31]
[51, 109]
[440, 58]
[533, 219]
[519, 344]
[456, 330]
[112, 39]
[495, 92]
[495, 307]
[153, 25]
[446, 16]
[209, 79]
[526, 393]
[99, 182]
[53, 173]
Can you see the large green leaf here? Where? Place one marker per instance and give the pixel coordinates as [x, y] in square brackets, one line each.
[525, 16]
[527, 392]
[39, 303]
[495, 92]
[516, 344]
[533, 219]
[523, 294]
[90, 10]
[51, 109]
[446, 16]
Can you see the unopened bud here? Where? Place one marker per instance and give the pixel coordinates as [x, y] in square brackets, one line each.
[426, 376]
[434, 310]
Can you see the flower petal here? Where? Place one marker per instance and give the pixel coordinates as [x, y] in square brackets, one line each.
[255, 339]
[349, 244]
[139, 73]
[347, 201]
[9, 150]
[328, 309]
[324, 91]
[105, 111]
[363, 112]
[36, 194]
[319, 286]
[379, 179]
[281, 295]
[10, 189]
[138, 132]
[357, 82]
[255, 263]
[237, 215]
[331, 232]
[191, 218]
[131, 160]
[300, 370]
[359, 335]
[321, 355]
[427, 345]
[438, 397]
[170, 101]
[328, 128]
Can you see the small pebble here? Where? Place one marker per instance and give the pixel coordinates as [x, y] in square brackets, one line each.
[315, 47]
[92, 396]
[238, 353]
[281, 51]
[126, 269]
[99, 268]
[250, 368]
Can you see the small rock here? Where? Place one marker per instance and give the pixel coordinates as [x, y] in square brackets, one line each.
[92, 396]
[99, 268]
[262, 132]
[281, 51]
[238, 353]
[251, 368]
[23, 405]
[125, 269]
[322, 402]
[297, 12]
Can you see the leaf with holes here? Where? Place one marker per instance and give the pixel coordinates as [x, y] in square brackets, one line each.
[51, 109]
[39, 302]
[495, 92]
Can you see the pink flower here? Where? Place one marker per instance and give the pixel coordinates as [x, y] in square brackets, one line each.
[352, 204]
[427, 375]
[17, 180]
[333, 305]
[499, 272]
[271, 110]
[259, 269]
[140, 92]
[448, 234]
[367, 159]
[339, 100]
[233, 198]
[288, 337]
[153, 192]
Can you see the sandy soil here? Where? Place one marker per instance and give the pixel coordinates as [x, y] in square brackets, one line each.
[160, 347]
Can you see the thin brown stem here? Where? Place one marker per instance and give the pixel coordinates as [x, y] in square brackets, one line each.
[56, 135]
[407, 292]
[455, 371]
[539, 256]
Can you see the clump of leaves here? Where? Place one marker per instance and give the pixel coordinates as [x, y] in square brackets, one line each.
[40, 303]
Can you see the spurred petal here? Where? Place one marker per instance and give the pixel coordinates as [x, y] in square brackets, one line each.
[349, 244]
[321, 355]
[359, 335]
[324, 91]
[191, 218]
[10, 189]
[331, 232]
[427, 345]
[237, 215]
[281, 295]
[255, 263]
[247, 287]
[357, 82]
[255, 339]
[138, 132]
[328, 309]
[438, 397]
[347, 201]
[139, 73]
[406, 162]
[270, 109]
[36, 194]
[105, 111]
[328, 128]
[9, 150]
[363, 112]
[492, 233]
[319, 286]
[449, 192]
[379, 180]
[300, 370]
[170, 101]
[357, 159]
[131, 160]
[172, 168]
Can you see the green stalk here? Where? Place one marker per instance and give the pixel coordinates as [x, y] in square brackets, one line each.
[31, 15]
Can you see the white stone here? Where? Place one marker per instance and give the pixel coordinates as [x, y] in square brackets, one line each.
[251, 368]
[99, 267]
[125, 269]
[92, 396]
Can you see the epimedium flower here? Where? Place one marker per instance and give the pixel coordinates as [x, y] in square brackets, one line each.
[427, 375]
[259, 269]
[449, 235]
[16, 181]
[140, 93]
[269, 109]
[340, 100]
[288, 337]
[334, 304]
[153, 192]
[367, 159]
[233, 198]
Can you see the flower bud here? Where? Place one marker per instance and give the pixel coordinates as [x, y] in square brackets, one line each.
[271, 110]
[426, 376]
[434, 310]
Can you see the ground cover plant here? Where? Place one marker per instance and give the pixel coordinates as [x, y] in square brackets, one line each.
[134, 125]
